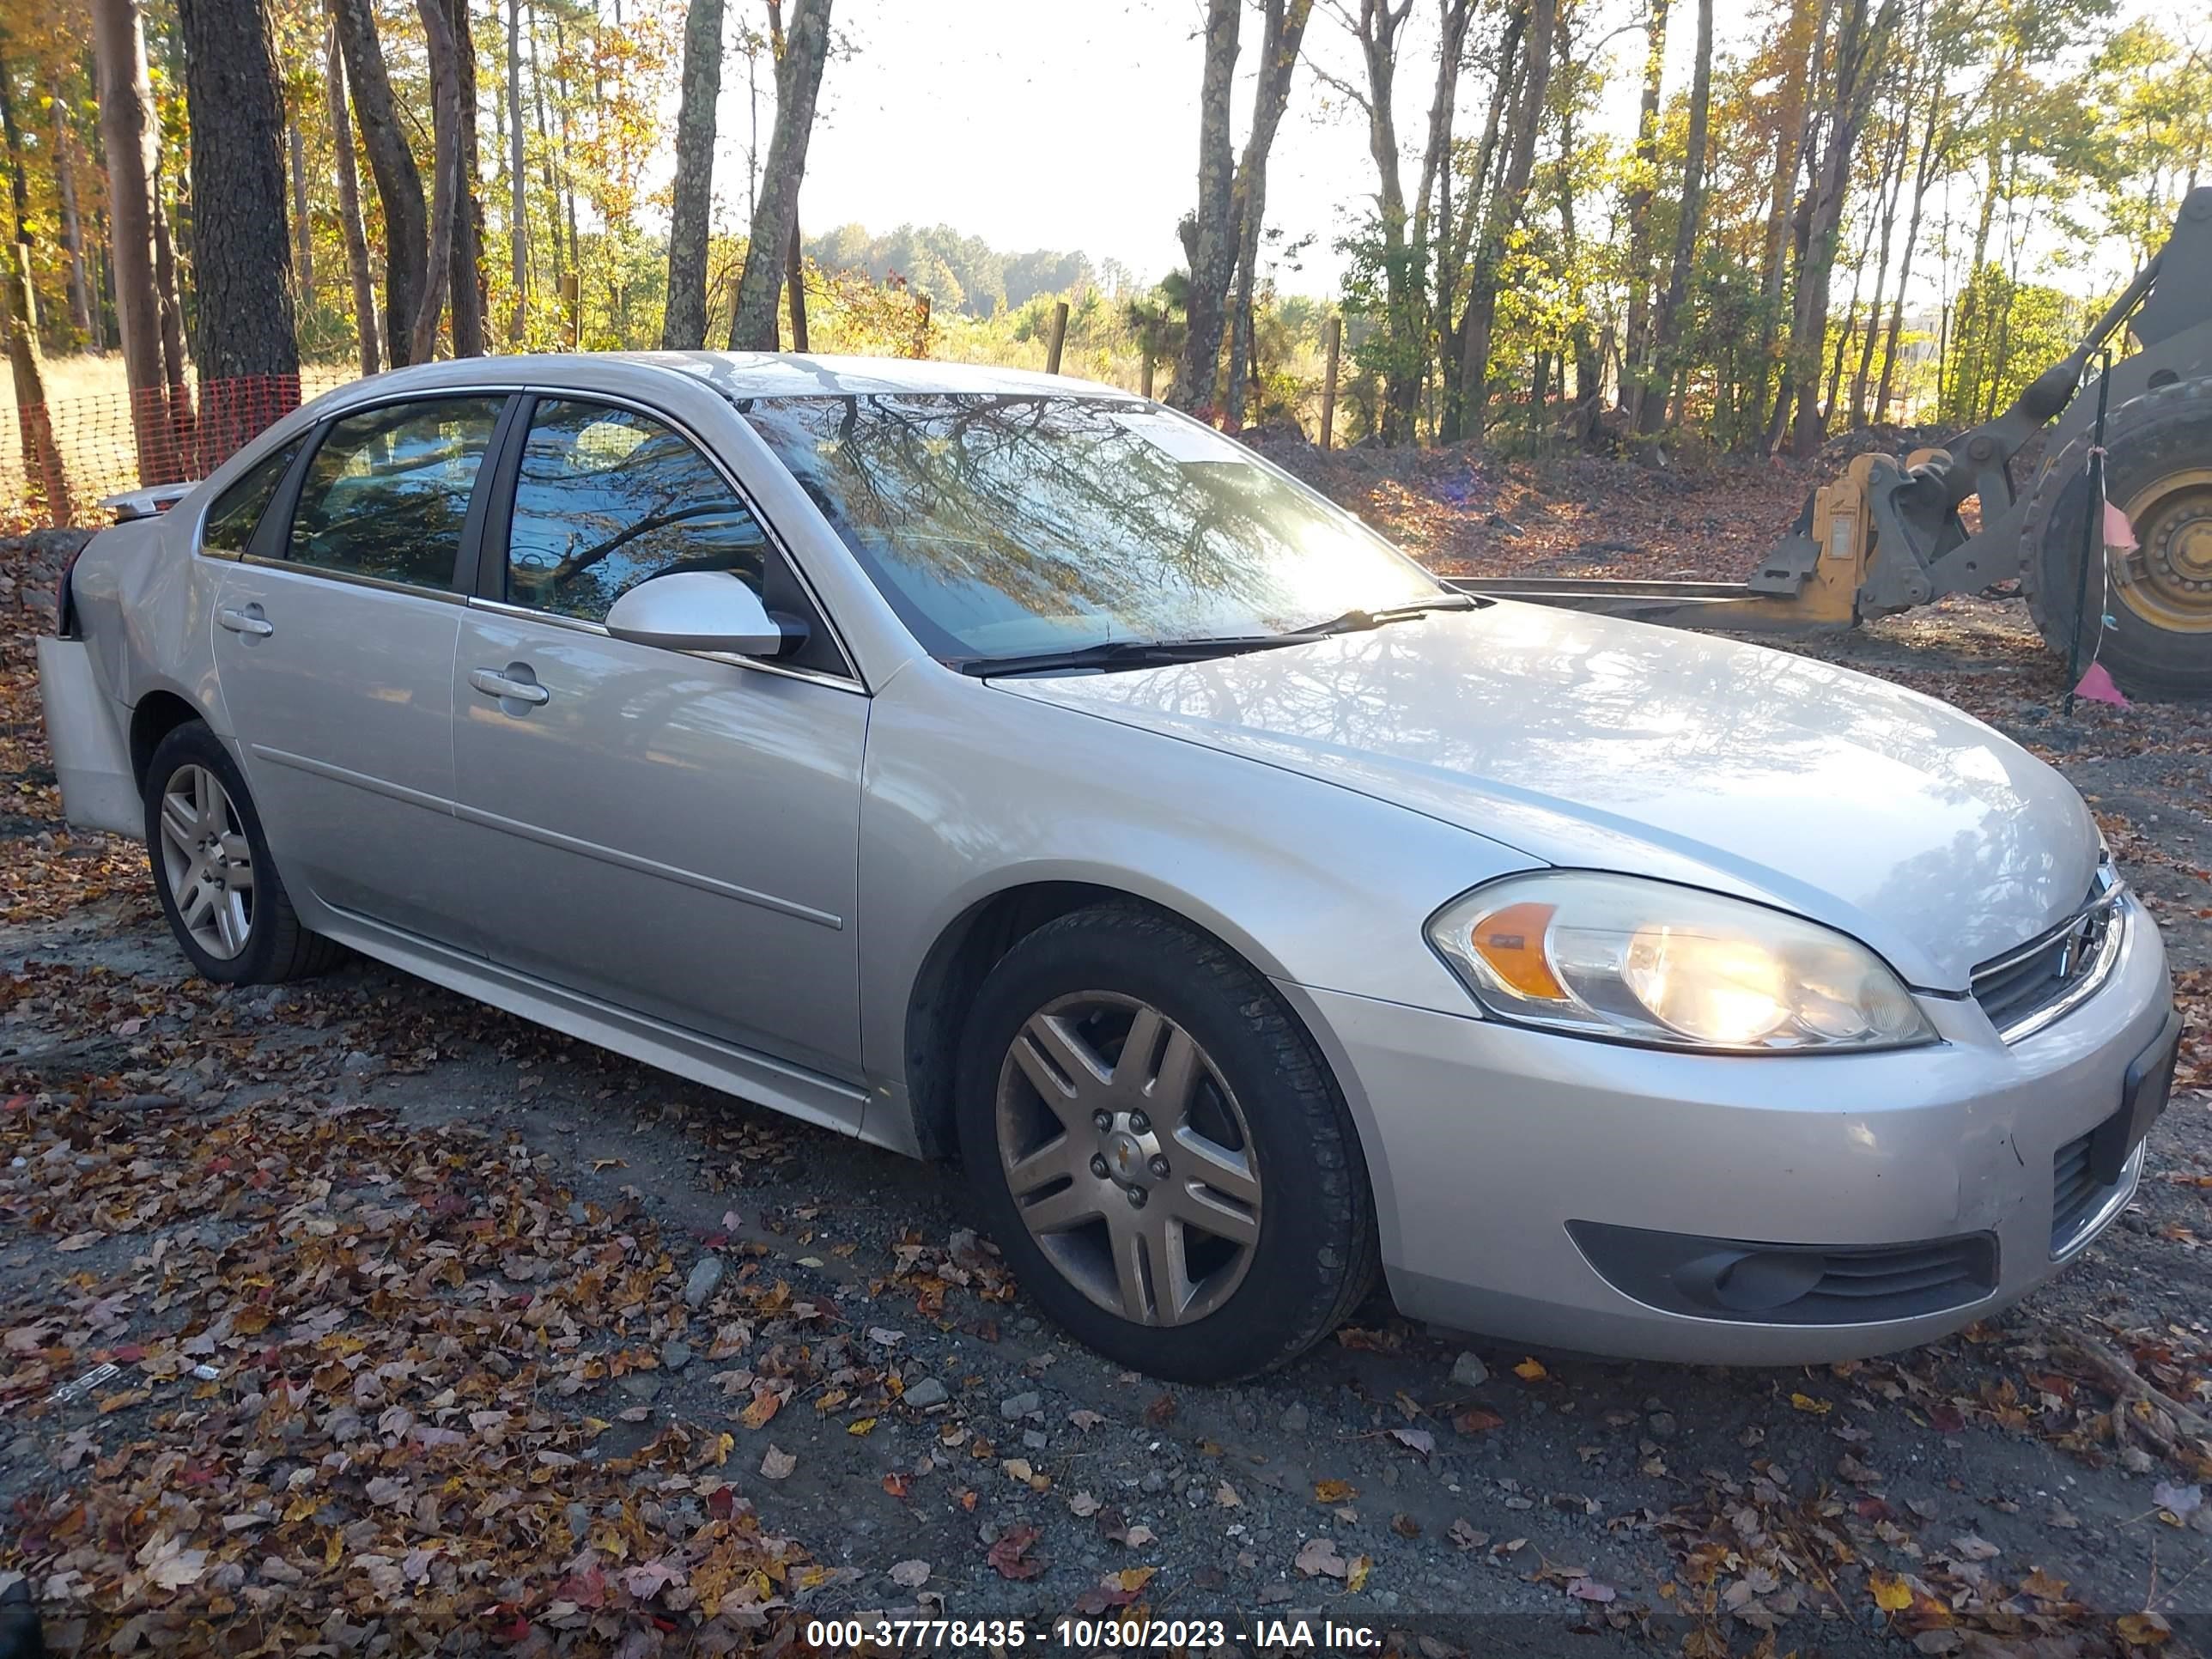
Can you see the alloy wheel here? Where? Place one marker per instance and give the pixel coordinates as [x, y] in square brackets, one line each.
[1128, 1157]
[207, 861]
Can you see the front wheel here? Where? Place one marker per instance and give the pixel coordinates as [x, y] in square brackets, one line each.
[219, 886]
[1160, 1149]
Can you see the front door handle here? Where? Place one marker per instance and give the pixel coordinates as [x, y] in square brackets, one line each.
[502, 683]
[249, 621]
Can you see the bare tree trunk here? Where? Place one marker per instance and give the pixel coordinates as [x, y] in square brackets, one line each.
[518, 203]
[1590, 373]
[684, 324]
[42, 463]
[1284, 33]
[303, 224]
[1213, 245]
[794, 283]
[391, 163]
[1452, 258]
[127, 139]
[798, 84]
[356, 240]
[242, 247]
[465, 275]
[83, 317]
[1922, 177]
[1891, 186]
[545, 162]
[1666, 331]
[1377, 28]
[1636, 346]
[1504, 210]
[446, 176]
[1860, 50]
[175, 362]
[1804, 42]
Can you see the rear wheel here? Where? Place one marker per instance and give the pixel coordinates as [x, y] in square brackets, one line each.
[2158, 470]
[1159, 1149]
[220, 889]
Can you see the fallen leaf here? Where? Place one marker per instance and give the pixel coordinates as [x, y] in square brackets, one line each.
[1319, 1558]
[1335, 1492]
[1478, 1420]
[1805, 1402]
[1588, 1589]
[1531, 1370]
[860, 1425]
[777, 1465]
[1419, 1440]
[1972, 1546]
[2144, 1630]
[910, 1575]
[1891, 1594]
[1010, 1557]
[1355, 1579]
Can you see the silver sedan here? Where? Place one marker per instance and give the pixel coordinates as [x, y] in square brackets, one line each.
[999, 767]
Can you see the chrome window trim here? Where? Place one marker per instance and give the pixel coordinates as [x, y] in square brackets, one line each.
[444, 595]
[578, 625]
[851, 678]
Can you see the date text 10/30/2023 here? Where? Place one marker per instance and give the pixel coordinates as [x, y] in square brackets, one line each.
[1092, 1635]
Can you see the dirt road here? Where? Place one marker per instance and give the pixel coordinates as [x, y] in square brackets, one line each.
[428, 1326]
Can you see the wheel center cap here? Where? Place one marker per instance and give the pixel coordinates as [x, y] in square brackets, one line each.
[1125, 1156]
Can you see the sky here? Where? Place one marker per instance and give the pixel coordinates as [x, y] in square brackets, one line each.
[1072, 123]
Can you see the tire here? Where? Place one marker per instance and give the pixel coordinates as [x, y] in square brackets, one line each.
[1111, 1008]
[234, 922]
[2158, 468]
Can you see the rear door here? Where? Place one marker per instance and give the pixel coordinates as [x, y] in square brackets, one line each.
[334, 640]
[672, 833]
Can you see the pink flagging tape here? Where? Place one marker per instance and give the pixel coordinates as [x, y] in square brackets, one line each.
[2096, 686]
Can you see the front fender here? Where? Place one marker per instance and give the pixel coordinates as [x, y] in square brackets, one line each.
[968, 792]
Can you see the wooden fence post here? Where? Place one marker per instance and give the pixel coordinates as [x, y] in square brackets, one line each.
[571, 295]
[1334, 335]
[1059, 338]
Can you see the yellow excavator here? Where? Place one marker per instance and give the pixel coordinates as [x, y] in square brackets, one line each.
[1889, 535]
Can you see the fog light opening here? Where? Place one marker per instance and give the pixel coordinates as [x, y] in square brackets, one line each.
[1753, 1281]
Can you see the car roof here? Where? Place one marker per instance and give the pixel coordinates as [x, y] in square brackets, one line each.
[739, 374]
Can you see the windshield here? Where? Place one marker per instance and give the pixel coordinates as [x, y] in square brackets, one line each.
[1004, 526]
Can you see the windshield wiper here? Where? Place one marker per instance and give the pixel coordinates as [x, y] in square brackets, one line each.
[1141, 653]
[1355, 621]
[1124, 653]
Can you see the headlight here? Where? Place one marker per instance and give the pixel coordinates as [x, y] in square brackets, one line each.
[1649, 962]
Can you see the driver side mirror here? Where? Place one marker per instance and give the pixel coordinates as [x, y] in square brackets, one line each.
[702, 610]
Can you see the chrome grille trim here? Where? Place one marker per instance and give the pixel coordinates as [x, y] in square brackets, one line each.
[2044, 980]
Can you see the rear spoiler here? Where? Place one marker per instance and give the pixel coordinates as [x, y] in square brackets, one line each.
[148, 503]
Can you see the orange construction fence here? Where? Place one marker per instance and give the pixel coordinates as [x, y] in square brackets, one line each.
[58, 459]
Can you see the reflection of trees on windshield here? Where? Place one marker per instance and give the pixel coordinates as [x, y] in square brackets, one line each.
[606, 498]
[1002, 524]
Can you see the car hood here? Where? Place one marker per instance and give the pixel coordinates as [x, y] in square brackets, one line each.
[1594, 743]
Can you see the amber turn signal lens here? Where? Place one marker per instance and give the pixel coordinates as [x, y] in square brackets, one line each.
[1511, 941]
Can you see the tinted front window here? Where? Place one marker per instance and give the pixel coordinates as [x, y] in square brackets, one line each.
[1002, 525]
[607, 498]
[231, 521]
[387, 492]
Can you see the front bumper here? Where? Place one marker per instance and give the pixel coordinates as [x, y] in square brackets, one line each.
[1485, 1141]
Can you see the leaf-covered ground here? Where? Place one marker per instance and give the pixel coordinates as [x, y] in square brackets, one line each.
[352, 1317]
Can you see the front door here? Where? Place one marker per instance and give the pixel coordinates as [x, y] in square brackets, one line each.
[334, 640]
[671, 833]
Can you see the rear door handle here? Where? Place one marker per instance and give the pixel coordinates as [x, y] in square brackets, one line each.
[249, 620]
[494, 684]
